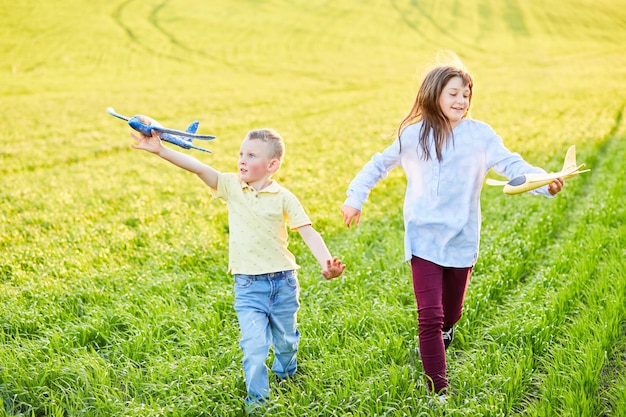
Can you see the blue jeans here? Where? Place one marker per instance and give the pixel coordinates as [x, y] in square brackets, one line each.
[267, 306]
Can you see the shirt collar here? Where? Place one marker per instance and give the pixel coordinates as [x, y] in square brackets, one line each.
[272, 188]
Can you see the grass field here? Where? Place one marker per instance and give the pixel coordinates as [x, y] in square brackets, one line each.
[114, 296]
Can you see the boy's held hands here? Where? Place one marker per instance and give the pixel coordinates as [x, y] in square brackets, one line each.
[333, 268]
[350, 214]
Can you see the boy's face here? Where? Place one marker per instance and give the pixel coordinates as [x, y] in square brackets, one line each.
[255, 162]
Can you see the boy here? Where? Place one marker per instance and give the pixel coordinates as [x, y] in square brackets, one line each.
[265, 271]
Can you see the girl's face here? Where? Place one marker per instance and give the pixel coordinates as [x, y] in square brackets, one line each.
[255, 163]
[455, 100]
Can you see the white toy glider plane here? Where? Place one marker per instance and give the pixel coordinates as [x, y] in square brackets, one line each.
[529, 182]
[145, 125]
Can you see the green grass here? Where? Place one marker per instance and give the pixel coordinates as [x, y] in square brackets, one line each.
[114, 297]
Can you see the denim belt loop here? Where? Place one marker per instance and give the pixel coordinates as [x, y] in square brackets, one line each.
[276, 275]
[271, 276]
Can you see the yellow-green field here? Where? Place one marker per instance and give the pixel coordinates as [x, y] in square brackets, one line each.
[114, 296]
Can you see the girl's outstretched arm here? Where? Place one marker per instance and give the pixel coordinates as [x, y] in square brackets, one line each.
[331, 267]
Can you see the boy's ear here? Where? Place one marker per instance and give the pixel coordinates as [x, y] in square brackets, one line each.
[274, 165]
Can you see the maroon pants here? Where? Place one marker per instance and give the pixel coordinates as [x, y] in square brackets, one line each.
[439, 292]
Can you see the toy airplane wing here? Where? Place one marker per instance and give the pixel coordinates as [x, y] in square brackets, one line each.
[184, 133]
[529, 182]
[145, 125]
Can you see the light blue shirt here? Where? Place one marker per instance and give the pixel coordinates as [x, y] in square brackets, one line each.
[442, 200]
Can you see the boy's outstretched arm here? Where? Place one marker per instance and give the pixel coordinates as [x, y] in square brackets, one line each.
[153, 144]
[331, 267]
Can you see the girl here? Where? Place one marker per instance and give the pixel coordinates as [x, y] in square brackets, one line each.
[445, 156]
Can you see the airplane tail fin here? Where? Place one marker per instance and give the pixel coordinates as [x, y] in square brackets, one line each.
[193, 128]
[570, 166]
[570, 159]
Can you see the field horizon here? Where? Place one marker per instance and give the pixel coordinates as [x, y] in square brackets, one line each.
[114, 293]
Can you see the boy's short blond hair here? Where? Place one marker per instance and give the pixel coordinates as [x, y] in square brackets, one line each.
[271, 138]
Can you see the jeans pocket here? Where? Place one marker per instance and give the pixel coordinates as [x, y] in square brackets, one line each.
[292, 281]
[243, 281]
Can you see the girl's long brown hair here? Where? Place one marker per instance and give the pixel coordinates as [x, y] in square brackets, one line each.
[426, 107]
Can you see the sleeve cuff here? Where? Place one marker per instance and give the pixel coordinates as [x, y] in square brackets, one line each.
[353, 202]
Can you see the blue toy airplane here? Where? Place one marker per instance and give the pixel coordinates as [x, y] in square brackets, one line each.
[145, 125]
[529, 182]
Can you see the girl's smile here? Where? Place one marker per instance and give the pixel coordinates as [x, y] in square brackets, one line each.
[455, 100]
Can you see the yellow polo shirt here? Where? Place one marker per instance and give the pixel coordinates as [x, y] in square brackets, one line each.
[258, 225]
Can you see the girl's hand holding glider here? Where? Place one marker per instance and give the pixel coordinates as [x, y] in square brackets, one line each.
[556, 186]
